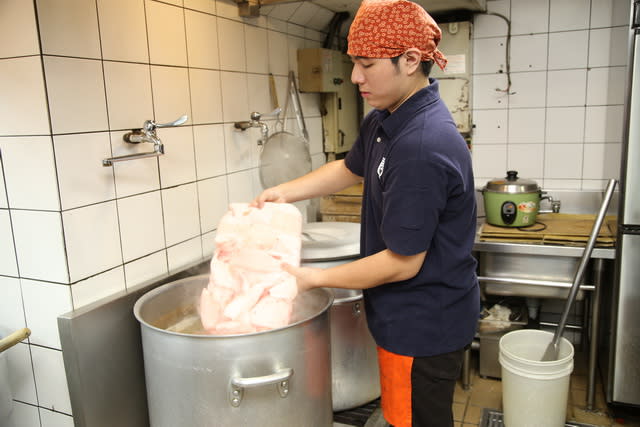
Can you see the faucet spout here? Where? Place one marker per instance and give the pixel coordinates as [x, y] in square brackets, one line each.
[146, 134]
[264, 131]
[110, 161]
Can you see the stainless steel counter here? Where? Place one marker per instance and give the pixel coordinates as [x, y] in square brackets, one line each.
[540, 250]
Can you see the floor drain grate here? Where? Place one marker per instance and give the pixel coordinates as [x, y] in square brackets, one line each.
[357, 416]
[493, 418]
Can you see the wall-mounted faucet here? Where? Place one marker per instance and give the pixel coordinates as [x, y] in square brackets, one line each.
[555, 203]
[255, 122]
[146, 134]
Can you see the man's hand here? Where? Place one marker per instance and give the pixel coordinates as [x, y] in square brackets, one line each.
[306, 277]
[328, 178]
[273, 194]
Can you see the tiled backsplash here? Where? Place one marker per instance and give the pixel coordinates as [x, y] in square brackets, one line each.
[85, 72]
[561, 122]
[73, 82]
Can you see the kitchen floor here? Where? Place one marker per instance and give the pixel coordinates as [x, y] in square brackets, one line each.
[487, 393]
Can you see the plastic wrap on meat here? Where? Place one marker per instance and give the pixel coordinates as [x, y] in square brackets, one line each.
[248, 291]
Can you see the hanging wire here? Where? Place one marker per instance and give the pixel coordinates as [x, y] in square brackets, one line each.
[507, 90]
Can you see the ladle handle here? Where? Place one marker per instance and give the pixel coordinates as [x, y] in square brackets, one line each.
[297, 107]
[14, 338]
[586, 255]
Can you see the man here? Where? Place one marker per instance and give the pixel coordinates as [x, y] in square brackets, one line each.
[418, 215]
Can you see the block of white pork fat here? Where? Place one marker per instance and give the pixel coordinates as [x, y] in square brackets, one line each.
[248, 291]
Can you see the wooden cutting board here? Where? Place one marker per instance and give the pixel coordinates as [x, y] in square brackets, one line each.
[561, 229]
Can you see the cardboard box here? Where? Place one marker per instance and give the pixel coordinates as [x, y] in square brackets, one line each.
[343, 206]
[490, 332]
[319, 70]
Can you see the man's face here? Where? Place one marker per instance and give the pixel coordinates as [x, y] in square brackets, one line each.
[381, 82]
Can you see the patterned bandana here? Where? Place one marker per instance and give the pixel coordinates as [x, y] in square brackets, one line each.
[388, 28]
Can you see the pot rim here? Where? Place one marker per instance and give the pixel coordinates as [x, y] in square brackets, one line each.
[347, 300]
[162, 288]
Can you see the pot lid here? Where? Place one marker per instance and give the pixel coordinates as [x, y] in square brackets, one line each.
[323, 241]
[512, 184]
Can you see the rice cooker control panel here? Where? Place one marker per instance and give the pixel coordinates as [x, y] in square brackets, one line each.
[508, 212]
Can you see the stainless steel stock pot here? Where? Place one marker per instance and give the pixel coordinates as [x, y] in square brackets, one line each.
[354, 358]
[280, 377]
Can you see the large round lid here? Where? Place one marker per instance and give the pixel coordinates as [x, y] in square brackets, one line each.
[324, 241]
[512, 184]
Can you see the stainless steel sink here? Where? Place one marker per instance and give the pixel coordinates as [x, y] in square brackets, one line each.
[527, 275]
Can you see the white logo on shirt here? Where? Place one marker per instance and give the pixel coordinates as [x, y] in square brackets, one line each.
[381, 167]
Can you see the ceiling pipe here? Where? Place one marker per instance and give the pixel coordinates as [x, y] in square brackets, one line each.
[251, 8]
[334, 30]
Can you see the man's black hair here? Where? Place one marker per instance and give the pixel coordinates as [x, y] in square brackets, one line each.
[425, 65]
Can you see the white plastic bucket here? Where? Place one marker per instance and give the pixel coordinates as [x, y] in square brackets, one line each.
[6, 397]
[534, 393]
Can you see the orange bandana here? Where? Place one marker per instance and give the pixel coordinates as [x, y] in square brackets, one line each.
[387, 28]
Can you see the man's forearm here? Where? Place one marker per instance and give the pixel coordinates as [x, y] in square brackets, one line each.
[327, 179]
[383, 267]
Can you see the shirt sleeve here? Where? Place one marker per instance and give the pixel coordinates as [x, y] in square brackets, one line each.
[354, 159]
[414, 197]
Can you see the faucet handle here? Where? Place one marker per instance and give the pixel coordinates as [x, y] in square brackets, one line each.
[274, 113]
[176, 122]
[256, 116]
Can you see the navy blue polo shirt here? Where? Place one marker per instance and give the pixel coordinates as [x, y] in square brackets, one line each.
[419, 196]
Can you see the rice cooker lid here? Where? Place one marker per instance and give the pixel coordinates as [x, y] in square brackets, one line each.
[511, 184]
[324, 241]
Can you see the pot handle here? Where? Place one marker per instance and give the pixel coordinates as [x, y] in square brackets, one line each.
[280, 378]
[357, 309]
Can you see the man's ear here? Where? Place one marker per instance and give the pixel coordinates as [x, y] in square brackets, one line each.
[412, 58]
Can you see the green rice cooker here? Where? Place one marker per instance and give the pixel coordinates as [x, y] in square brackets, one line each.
[511, 201]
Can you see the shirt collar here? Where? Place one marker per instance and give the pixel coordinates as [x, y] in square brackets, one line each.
[425, 96]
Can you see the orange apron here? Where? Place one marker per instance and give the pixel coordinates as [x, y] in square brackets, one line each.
[395, 387]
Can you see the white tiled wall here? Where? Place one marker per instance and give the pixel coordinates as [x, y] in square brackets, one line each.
[561, 121]
[83, 73]
[75, 75]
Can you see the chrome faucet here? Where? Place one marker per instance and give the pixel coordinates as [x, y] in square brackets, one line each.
[146, 134]
[555, 203]
[255, 122]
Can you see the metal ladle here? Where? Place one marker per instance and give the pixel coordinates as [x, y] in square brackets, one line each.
[551, 353]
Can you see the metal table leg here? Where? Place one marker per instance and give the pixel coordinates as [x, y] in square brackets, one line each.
[586, 321]
[466, 362]
[598, 272]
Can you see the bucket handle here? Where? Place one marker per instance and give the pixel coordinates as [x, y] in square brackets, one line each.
[280, 378]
